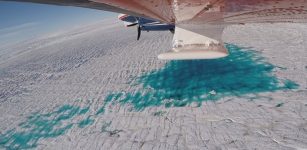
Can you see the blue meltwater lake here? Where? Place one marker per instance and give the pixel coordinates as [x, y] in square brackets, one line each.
[180, 83]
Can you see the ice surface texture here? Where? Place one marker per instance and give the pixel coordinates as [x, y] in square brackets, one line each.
[178, 84]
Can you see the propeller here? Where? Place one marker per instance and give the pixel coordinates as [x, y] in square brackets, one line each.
[139, 32]
[133, 24]
[139, 28]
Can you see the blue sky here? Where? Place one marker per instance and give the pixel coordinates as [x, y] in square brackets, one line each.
[22, 21]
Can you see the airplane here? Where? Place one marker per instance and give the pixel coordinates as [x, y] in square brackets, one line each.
[197, 24]
[145, 24]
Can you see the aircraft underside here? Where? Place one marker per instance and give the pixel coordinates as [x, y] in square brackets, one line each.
[199, 23]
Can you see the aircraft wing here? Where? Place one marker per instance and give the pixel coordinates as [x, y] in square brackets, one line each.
[198, 11]
[199, 23]
[81, 3]
[216, 11]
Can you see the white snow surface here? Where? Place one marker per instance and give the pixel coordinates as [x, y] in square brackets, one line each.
[81, 67]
